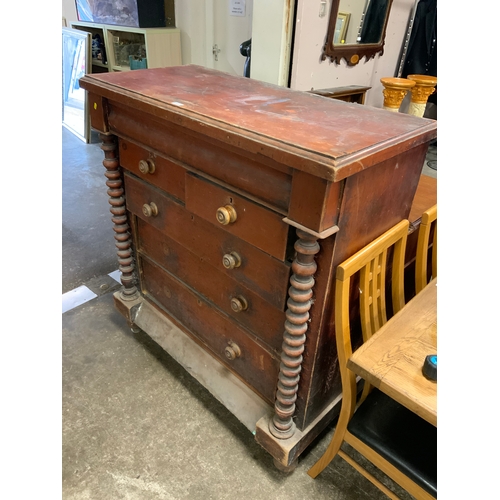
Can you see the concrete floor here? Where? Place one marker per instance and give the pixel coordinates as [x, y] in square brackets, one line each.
[136, 425]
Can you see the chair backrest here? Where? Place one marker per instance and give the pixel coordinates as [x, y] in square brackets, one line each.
[371, 264]
[429, 218]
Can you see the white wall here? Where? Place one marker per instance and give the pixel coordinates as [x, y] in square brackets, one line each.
[190, 17]
[204, 23]
[69, 11]
[309, 72]
[271, 40]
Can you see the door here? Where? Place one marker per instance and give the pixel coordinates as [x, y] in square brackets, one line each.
[228, 25]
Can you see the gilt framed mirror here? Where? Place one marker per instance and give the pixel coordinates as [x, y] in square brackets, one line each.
[363, 35]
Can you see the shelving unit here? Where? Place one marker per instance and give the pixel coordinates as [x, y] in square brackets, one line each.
[160, 46]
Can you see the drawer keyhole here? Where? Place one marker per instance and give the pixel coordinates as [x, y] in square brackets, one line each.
[226, 215]
[231, 260]
[150, 210]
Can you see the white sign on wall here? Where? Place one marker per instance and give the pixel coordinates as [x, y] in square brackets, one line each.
[237, 8]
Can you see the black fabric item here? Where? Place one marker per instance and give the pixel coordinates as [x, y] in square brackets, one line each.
[400, 436]
[246, 50]
[421, 58]
[374, 20]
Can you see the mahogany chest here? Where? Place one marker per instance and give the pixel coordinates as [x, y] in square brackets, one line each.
[233, 201]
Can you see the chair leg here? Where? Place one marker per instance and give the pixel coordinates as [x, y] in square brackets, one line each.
[368, 476]
[333, 447]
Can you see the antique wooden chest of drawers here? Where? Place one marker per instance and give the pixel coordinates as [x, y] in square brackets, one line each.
[233, 201]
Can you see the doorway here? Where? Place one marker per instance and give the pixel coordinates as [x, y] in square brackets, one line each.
[228, 25]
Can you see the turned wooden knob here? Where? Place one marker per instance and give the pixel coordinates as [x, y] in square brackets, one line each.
[226, 215]
[147, 166]
[150, 210]
[232, 351]
[239, 304]
[231, 260]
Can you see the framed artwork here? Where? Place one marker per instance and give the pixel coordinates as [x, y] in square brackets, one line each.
[341, 27]
[133, 13]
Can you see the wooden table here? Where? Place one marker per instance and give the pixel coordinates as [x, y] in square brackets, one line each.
[392, 359]
[351, 93]
[425, 198]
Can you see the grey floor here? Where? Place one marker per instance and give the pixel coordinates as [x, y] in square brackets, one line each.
[136, 425]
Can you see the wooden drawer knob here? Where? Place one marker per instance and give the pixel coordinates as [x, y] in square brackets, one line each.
[231, 260]
[150, 210]
[226, 215]
[239, 304]
[147, 166]
[232, 351]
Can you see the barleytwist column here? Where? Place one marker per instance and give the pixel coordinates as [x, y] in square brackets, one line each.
[425, 85]
[119, 216]
[296, 324]
[395, 90]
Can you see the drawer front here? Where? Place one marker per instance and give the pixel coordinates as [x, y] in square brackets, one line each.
[237, 301]
[237, 215]
[159, 171]
[253, 173]
[251, 362]
[259, 272]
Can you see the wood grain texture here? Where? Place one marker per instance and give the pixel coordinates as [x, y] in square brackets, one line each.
[423, 271]
[259, 271]
[298, 129]
[264, 320]
[256, 366]
[269, 181]
[392, 359]
[119, 216]
[372, 202]
[255, 224]
[168, 175]
[314, 202]
[425, 198]
[297, 322]
[343, 171]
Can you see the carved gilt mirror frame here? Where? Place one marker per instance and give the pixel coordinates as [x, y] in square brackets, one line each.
[372, 19]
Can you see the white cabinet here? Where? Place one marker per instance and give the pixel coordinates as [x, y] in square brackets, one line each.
[160, 46]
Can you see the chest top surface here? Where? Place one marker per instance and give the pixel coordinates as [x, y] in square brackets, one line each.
[308, 127]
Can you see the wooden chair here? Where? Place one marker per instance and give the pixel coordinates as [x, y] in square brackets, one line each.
[429, 217]
[396, 440]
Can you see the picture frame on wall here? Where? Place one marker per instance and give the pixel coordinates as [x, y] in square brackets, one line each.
[341, 27]
[131, 13]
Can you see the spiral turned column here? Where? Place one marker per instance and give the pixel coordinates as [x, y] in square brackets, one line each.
[119, 216]
[296, 324]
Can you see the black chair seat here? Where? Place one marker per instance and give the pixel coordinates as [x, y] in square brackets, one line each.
[400, 436]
